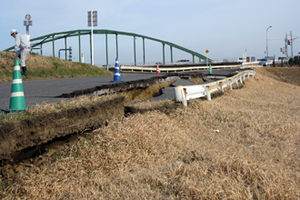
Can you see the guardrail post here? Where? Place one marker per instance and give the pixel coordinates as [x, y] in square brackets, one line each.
[248, 74]
[221, 86]
[244, 76]
[236, 82]
[208, 93]
[178, 93]
[184, 101]
[241, 79]
[230, 84]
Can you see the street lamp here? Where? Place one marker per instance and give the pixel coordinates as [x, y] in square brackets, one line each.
[267, 41]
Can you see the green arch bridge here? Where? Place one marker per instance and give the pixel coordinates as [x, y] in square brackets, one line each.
[37, 43]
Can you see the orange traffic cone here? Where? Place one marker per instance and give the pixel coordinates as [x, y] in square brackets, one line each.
[157, 69]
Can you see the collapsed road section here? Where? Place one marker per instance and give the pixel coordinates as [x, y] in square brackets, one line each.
[16, 137]
[121, 87]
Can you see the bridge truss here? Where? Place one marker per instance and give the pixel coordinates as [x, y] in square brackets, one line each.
[37, 43]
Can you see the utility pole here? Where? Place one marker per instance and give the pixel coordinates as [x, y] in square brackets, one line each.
[267, 41]
[292, 45]
[285, 46]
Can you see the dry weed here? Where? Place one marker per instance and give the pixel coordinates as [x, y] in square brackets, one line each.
[73, 103]
[243, 145]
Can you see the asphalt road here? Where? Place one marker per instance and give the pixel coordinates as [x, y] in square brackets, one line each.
[46, 91]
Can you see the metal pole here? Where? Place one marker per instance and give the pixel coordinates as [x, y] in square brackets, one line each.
[164, 57]
[144, 58]
[286, 49]
[66, 48]
[106, 43]
[117, 48]
[91, 47]
[292, 54]
[171, 52]
[53, 52]
[267, 41]
[134, 49]
[92, 35]
[79, 44]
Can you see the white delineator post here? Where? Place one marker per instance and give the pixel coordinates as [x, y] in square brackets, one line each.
[82, 58]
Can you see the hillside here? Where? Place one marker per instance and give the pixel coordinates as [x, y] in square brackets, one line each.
[43, 67]
[241, 145]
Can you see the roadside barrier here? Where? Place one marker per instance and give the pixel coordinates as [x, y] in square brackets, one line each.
[185, 93]
[174, 69]
[157, 69]
[17, 99]
[117, 76]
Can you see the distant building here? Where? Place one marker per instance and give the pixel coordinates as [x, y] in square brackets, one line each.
[247, 59]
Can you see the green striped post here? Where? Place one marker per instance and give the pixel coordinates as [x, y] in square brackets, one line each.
[17, 99]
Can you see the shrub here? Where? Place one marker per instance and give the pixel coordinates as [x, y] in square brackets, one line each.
[291, 61]
[297, 60]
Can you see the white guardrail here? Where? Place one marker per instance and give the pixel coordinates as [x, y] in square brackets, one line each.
[177, 69]
[184, 93]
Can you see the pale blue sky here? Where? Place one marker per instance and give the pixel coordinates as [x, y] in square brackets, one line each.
[227, 28]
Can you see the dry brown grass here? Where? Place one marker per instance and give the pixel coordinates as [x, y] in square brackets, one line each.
[253, 155]
[285, 74]
[43, 67]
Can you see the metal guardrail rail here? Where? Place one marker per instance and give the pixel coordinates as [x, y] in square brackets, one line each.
[184, 93]
[175, 69]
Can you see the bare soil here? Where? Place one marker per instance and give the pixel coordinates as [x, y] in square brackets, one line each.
[244, 144]
[34, 131]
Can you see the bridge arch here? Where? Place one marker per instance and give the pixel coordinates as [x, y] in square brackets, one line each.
[38, 42]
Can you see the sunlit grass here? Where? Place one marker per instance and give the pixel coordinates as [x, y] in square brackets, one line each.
[241, 145]
[43, 67]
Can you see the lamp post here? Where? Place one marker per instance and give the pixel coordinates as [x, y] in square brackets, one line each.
[267, 41]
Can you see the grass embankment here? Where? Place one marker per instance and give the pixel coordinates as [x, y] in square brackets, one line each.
[242, 145]
[42, 67]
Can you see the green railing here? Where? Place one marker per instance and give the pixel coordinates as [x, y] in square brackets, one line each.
[39, 41]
